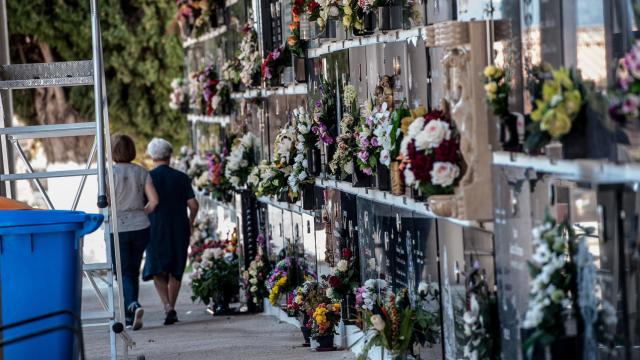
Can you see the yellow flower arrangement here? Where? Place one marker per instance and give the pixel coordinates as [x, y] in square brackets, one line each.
[560, 104]
[274, 295]
[326, 316]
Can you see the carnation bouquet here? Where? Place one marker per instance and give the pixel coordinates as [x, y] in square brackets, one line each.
[395, 324]
[341, 164]
[240, 161]
[305, 140]
[430, 152]
[248, 54]
[274, 64]
[178, 99]
[558, 100]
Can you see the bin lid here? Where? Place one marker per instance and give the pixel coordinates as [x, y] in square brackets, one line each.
[20, 218]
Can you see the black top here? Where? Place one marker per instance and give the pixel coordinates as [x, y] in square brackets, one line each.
[170, 228]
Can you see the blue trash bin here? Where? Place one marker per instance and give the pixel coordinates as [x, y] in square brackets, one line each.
[41, 282]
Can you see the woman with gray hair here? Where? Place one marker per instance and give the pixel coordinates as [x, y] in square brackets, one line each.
[170, 227]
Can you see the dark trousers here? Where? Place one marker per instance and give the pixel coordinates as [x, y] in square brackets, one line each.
[132, 245]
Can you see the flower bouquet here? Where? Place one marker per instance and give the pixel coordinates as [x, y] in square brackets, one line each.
[231, 73]
[295, 44]
[558, 100]
[178, 99]
[497, 91]
[196, 100]
[481, 330]
[240, 162]
[249, 55]
[301, 178]
[343, 281]
[216, 94]
[215, 278]
[274, 64]
[395, 324]
[193, 17]
[327, 12]
[325, 318]
[373, 140]
[286, 276]
[256, 275]
[401, 117]
[306, 298]
[430, 152]
[275, 177]
[218, 185]
[562, 293]
[342, 164]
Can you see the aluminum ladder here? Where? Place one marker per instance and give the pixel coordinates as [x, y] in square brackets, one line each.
[63, 74]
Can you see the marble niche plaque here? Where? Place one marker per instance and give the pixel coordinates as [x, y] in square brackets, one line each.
[276, 234]
[399, 223]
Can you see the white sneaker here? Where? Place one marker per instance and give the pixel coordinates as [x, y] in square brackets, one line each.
[137, 319]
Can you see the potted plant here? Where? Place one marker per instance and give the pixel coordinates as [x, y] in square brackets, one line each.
[215, 278]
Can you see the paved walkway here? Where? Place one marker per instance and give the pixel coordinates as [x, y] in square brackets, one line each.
[198, 335]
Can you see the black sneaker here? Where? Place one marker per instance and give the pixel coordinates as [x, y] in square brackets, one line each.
[171, 318]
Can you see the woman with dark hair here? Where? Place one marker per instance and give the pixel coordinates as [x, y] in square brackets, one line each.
[170, 227]
[132, 185]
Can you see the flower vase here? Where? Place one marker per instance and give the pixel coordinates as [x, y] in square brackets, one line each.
[213, 18]
[397, 182]
[235, 87]
[330, 29]
[553, 151]
[288, 75]
[369, 25]
[563, 348]
[443, 205]
[349, 312]
[325, 343]
[306, 332]
[390, 17]
[329, 152]
[300, 69]
[307, 193]
[509, 133]
[255, 79]
[283, 196]
[359, 178]
[414, 193]
[383, 177]
[314, 161]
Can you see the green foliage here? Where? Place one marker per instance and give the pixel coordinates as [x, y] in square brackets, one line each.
[140, 57]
